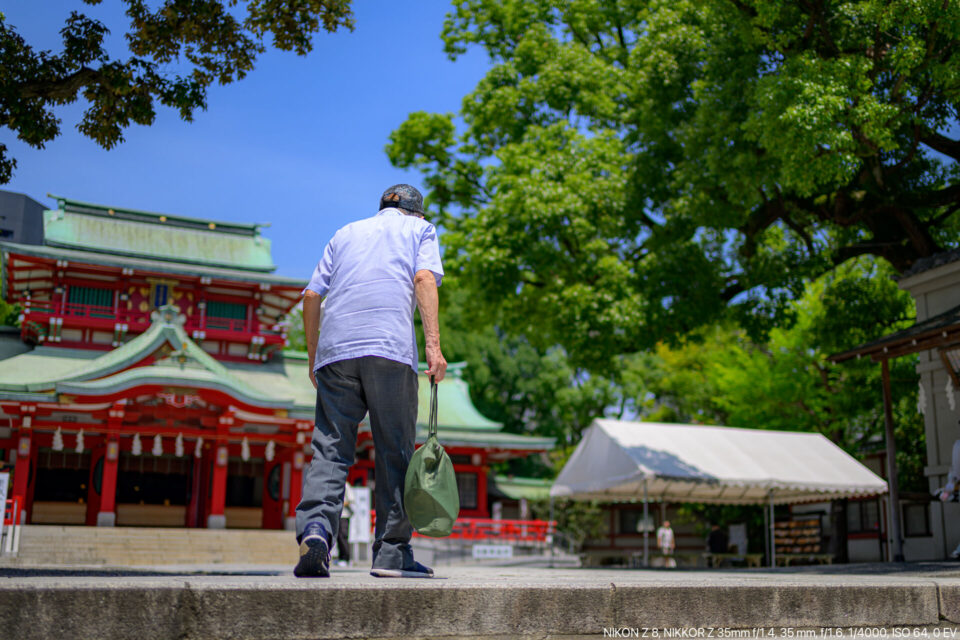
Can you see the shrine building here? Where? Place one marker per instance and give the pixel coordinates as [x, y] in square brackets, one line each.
[148, 383]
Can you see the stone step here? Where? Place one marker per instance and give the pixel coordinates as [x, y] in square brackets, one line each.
[51, 544]
[493, 602]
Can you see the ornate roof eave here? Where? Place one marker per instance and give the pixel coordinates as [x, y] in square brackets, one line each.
[132, 379]
[116, 370]
[56, 252]
[25, 396]
[936, 331]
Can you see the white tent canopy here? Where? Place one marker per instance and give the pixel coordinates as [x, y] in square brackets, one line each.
[707, 464]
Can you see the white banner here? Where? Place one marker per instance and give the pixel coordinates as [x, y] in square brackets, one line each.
[4, 485]
[360, 516]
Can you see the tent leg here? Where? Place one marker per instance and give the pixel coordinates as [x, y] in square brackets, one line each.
[646, 534]
[773, 545]
[766, 531]
[552, 535]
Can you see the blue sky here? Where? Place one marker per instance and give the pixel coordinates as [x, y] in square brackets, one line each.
[297, 143]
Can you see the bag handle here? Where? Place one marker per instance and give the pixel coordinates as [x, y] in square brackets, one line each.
[432, 424]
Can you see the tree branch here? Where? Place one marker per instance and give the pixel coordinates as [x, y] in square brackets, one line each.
[934, 199]
[800, 231]
[942, 143]
[938, 220]
[62, 89]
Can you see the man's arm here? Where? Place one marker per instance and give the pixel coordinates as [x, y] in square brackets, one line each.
[425, 284]
[311, 327]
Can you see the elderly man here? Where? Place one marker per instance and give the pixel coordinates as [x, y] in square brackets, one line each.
[365, 360]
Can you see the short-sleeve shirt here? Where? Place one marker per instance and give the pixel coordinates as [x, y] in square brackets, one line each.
[366, 274]
[665, 538]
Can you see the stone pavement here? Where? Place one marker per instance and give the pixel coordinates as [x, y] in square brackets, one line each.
[218, 601]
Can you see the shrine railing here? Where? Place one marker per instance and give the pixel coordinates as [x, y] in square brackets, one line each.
[221, 324]
[527, 531]
[34, 310]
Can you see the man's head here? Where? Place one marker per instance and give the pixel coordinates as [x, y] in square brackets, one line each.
[403, 197]
[666, 523]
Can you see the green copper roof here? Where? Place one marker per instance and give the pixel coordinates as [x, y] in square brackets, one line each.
[281, 383]
[37, 369]
[122, 213]
[279, 378]
[454, 407]
[527, 488]
[178, 358]
[141, 264]
[126, 232]
[168, 373]
[493, 439]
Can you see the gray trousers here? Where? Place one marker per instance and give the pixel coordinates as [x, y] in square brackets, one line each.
[346, 391]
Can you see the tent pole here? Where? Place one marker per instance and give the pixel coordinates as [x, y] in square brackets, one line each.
[766, 531]
[646, 554]
[893, 512]
[553, 534]
[773, 546]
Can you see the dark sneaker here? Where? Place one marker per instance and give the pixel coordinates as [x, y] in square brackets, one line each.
[416, 571]
[314, 553]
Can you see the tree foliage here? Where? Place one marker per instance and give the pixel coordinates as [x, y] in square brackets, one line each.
[715, 375]
[178, 48]
[720, 376]
[9, 314]
[631, 170]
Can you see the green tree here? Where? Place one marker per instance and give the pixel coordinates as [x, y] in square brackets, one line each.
[528, 389]
[721, 376]
[9, 314]
[178, 49]
[296, 338]
[631, 170]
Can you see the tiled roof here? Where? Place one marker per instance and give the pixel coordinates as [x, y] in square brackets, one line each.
[168, 238]
[931, 262]
[916, 335]
[142, 264]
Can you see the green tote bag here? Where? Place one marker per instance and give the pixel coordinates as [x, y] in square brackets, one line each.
[430, 493]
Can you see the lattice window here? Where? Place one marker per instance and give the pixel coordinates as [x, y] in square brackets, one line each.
[226, 310]
[97, 296]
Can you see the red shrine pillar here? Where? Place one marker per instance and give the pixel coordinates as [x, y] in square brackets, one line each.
[21, 469]
[216, 518]
[107, 513]
[296, 489]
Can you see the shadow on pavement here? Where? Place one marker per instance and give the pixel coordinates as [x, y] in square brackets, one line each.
[45, 572]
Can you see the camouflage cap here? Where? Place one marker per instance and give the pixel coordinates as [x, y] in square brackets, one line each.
[407, 198]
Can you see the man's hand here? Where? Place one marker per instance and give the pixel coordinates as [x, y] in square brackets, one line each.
[436, 363]
[313, 378]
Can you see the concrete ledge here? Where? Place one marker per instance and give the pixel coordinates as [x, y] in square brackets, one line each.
[950, 603]
[494, 602]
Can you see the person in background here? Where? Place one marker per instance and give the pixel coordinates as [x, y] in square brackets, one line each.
[949, 492]
[717, 541]
[666, 543]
